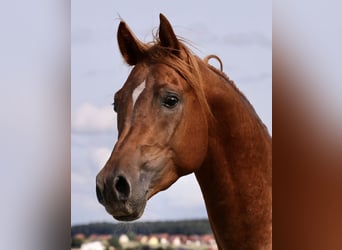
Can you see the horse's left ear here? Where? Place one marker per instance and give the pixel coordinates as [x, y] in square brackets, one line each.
[167, 36]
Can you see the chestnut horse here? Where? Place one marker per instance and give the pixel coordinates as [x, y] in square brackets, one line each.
[178, 115]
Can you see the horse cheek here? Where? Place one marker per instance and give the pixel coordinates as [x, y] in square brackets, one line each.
[191, 144]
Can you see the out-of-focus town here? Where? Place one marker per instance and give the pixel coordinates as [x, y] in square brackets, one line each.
[175, 235]
[143, 242]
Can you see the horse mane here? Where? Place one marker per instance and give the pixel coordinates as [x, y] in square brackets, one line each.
[233, 85]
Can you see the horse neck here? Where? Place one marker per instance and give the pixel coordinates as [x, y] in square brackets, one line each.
[236, 176]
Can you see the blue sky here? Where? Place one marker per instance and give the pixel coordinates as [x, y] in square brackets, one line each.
[240, 33]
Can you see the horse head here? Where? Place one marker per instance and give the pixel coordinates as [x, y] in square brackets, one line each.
[161, 119]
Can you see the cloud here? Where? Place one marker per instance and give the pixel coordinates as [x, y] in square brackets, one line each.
[85, 207]
[235, 39]
[90, 118]
[247, 39]
[182, 200]
[187, 189]
[258, 77]
[82, 178]
[100, 156]
[85, 169]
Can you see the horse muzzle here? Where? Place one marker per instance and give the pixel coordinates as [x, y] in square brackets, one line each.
[118, 197]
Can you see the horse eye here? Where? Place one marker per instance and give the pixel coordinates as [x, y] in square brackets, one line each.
[170, 101]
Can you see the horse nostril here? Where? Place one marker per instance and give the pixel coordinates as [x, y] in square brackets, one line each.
[99, 194]
[122, 187]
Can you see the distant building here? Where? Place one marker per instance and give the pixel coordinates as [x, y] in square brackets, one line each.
[95, 245]
[176, 241]
[153, 240]
[143, 239]
[123, 239]
[163, 239]
[80, 236]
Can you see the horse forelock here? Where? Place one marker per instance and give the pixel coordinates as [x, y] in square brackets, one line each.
[186, 64]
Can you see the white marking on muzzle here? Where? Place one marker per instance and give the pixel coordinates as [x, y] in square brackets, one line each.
[137, 91]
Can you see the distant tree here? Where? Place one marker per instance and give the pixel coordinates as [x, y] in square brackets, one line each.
[187, 227]
[131, 235]
[115, 243]
[76, 242]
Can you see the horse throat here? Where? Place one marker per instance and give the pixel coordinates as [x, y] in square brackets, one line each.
[236, 176]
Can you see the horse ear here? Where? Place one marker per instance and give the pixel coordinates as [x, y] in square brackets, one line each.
[130, 47]
[167, 36]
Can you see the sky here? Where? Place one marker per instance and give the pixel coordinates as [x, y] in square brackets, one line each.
[239, 32]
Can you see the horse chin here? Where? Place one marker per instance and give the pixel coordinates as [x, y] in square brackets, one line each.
[129, 217]
[127, 212]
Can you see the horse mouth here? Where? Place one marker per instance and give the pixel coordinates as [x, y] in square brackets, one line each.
[126, 211]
